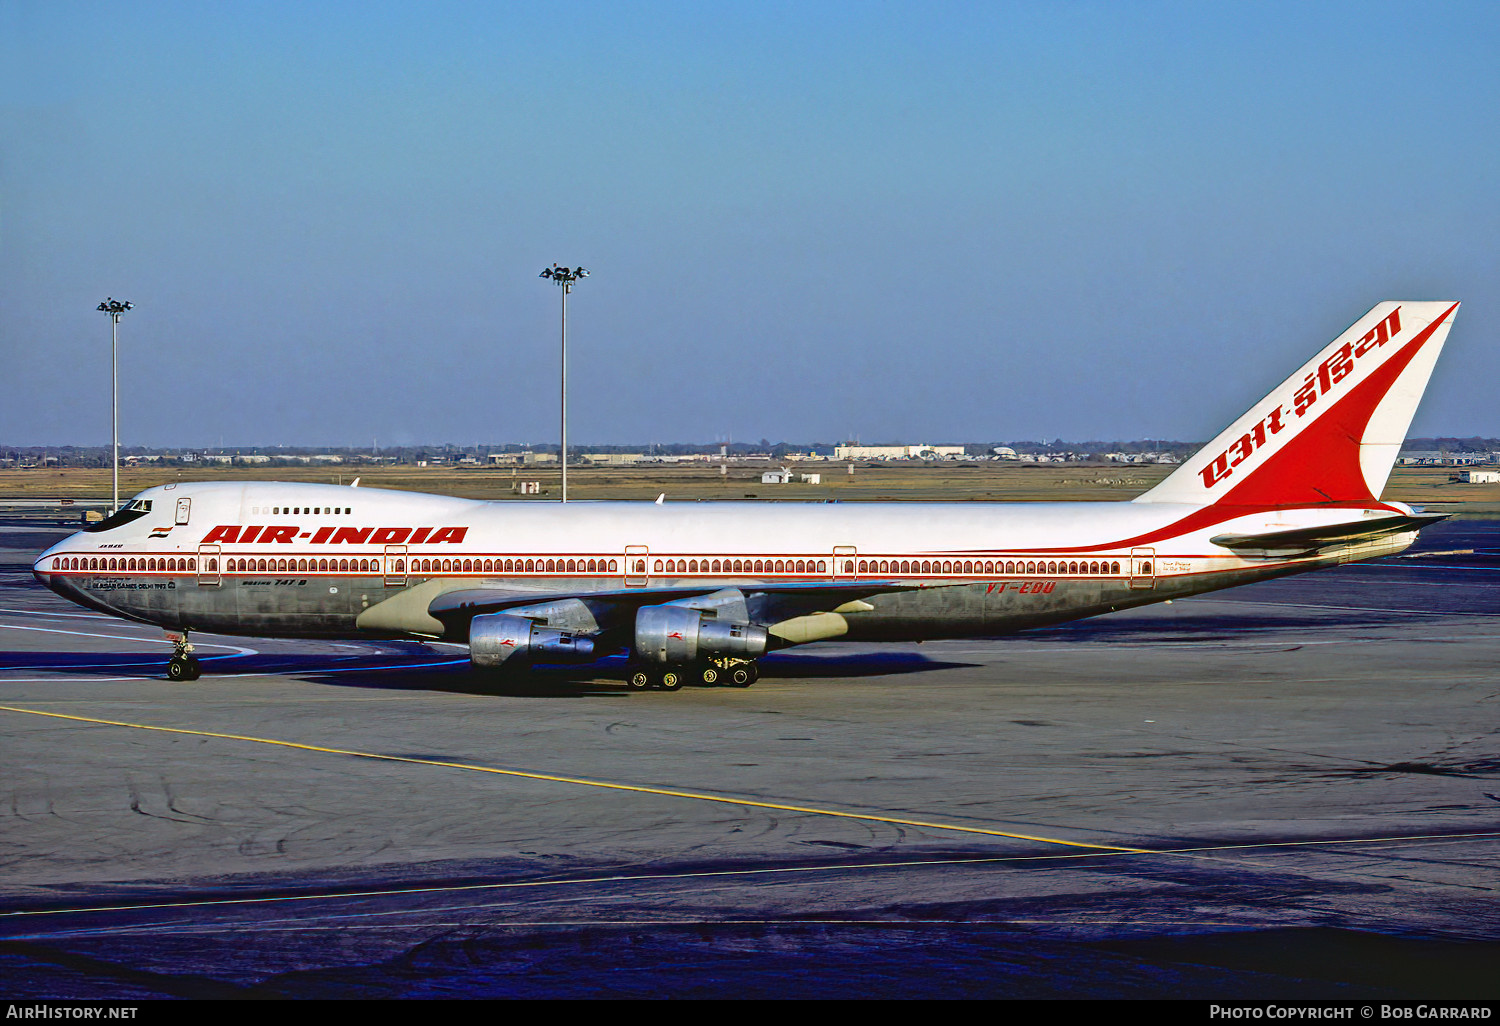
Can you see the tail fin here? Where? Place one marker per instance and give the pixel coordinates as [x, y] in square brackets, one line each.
[1330, 432]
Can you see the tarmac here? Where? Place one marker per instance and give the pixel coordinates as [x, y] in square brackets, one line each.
[1287, 790]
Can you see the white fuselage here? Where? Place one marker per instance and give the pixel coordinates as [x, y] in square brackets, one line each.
[304, 559]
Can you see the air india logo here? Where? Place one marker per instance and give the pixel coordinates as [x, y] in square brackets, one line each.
[1318, 385]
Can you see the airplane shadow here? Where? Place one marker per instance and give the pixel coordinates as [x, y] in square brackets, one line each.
[413, 666]
[101, 664]
[875, 663]
[607, 677]
[414, 659]
[460, 679]
[1139, 628]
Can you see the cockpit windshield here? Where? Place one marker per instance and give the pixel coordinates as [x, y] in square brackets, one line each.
[131, 511]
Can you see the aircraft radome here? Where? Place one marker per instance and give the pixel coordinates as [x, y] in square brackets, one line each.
[700, 591]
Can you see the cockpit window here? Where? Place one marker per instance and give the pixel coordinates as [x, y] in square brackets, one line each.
[131, 511]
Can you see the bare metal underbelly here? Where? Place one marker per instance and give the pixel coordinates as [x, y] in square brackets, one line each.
[326, 607]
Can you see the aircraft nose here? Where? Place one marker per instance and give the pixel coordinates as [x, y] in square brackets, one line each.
[42, 567]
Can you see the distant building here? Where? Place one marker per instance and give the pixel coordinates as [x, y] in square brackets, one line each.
[782, 476]
[521, 458]
[1142, 457]
[898, 452]
[1479, 476]
[1429, 458]
[613, 459]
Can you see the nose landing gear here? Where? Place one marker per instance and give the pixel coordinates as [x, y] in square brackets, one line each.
[183, 664]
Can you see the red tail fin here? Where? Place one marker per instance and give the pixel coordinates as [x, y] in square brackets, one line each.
[1330, 432]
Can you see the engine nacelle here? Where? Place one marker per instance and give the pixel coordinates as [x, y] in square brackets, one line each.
[498, 638]
[676, 634]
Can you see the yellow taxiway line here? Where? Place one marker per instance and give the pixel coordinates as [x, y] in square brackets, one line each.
[582, 782]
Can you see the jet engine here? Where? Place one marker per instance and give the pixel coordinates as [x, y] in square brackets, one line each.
[671, 634]
[497, 638]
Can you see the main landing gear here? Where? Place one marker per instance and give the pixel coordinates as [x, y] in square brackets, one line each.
[734, 673]
[183, 665]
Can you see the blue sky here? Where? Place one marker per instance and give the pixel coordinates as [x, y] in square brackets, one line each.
[890, 221]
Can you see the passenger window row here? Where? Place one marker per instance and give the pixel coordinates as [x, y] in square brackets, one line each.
[124, 563]
[591, 566]
[742, 566]
[514, 566]
[300, 565]
[987, 566]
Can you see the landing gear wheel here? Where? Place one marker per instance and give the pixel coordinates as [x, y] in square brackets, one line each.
[183, 669]
[670, 679]
[639, 680]
[743, 676]
[709, 675]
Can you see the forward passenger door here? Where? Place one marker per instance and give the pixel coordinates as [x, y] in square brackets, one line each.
[637, 566]
[1143, 568]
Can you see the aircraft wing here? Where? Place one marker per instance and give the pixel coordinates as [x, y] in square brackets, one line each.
[438, 609]
[1308, 539]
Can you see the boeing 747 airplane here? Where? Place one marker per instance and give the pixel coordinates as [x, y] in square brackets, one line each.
[699, 592]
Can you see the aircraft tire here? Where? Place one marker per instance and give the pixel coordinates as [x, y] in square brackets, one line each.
[670, 679]
[743, 676]
[639, 680]
[709, 675]
[182, 669]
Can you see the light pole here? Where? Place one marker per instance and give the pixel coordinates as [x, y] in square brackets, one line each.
[114, 308]
[566, 277]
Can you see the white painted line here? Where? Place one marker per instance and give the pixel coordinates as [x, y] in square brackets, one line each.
[284, 672]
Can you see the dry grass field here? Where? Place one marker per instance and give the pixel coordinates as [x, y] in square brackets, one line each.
[1007, 482]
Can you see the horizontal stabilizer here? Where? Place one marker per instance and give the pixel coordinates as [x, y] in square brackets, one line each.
[1308, 538]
